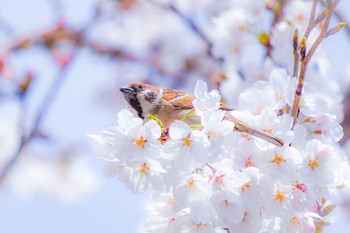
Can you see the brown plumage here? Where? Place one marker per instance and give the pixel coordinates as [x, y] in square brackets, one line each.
[170, 105]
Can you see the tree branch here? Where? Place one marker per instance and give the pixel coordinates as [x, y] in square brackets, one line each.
[306, 57]
[193, 26]
[340, 17]
[42, 112]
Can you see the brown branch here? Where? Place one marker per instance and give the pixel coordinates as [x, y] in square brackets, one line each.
[192, 26]
[49, 39]
[305, 58]
[312, 22]
[42, 112]
[340, 17]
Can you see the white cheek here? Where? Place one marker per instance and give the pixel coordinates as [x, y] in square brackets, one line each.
[145, 104]
[160, 96]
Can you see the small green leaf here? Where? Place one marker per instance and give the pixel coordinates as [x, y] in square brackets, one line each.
[156, 119]
[303, 47]
[196, 127]
[191, 112]
[336, 28]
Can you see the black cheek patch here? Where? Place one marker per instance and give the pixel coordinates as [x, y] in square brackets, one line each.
[150, 97]
[135, 104]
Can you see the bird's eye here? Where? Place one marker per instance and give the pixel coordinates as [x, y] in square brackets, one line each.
[140, 86]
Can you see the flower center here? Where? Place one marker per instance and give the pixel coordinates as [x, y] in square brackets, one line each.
[249, 162]
[187, 141]
[144, 169]
[280, 196]
[294, 220]
[245, 186]
[140, 142]
[300, 18]
[198, 226]
[191, 183]
[313, 164]
[268, 131]
[278, 159]
[219, 180]
[226, 203]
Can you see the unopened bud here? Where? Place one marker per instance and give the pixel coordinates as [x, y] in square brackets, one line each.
[295, 40]
[277, 8]
[336, 28]
[303, 47]
[264, 39]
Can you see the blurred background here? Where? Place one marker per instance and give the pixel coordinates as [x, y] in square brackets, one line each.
[61, 66]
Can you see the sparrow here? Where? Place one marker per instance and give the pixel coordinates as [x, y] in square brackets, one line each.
[171, 105]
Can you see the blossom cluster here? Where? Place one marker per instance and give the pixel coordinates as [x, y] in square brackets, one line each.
[213, 179]
[208, 177]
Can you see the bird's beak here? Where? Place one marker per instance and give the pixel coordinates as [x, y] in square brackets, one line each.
[127, 90]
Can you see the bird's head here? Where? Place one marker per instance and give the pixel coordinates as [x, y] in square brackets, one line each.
[142, 97]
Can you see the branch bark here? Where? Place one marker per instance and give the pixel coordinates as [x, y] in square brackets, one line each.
[306, 57]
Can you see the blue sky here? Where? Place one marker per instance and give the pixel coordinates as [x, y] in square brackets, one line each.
[112, 208]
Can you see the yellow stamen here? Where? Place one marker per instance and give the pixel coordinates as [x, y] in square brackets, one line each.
[144, 169]
[245, 186]
[313, 164]
[219, 180]
[278, 159]
[171, 202]
[198, 226]
[191, 183]
[249, 162]
[187, 140]
[140, 142]
[268, 131]
[280, 196]
[294, 220]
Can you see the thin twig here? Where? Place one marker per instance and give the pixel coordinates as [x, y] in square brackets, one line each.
[193, 26]
[323, 34]
[311, 24]
[50, 38]
[278, 9]
[306, 57]
[42, 112]
[340, 17]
